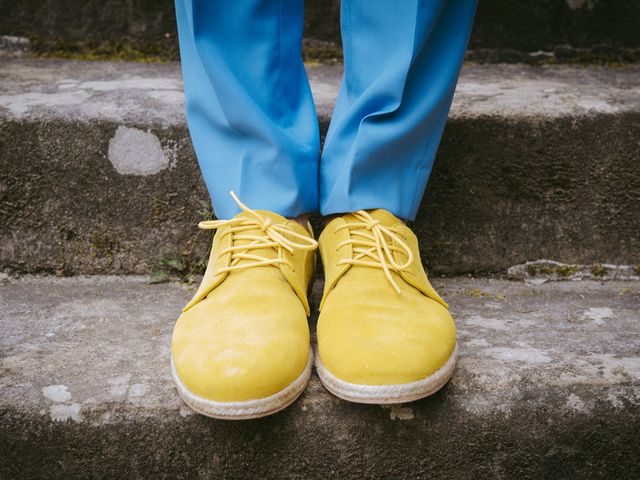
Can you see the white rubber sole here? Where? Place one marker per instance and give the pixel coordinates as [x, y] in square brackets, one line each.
[249, 409]
[388, 394]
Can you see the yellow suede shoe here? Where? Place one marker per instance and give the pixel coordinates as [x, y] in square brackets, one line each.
[241, 348]
[384, 334]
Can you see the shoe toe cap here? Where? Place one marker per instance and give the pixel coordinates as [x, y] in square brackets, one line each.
[377, 347]
[231, 375]
[238, 358]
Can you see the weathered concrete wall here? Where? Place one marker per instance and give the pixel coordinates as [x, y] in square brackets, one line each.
[90, 19]
[526, 26]
[543, 24]
[606, 25]
[558, 189]
[547, 387]
[535, 163]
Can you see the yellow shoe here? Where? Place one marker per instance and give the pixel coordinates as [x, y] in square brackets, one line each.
[240, 348]
[384, 334]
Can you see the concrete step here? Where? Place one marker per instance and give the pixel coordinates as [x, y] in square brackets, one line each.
[547, 386]
[98, 174]
[504, 30]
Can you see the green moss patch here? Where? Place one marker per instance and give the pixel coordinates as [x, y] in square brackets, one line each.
[476, 292]
[559, 270]
[598, 271]
[189, 261]
[125, 49]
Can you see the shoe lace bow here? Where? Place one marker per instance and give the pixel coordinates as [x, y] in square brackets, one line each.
[373, 245]
[270, 235]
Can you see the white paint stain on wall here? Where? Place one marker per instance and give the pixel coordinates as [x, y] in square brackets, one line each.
[488, 323]
[61, 412]
[57, 393]
[135, 152]
[598, 315]
[137, 391]
[524, 354]
[21, 104]
[477, 342]
[576, 404]
[147, 84]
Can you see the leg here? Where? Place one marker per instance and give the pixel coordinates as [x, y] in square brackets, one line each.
[402, 61]
[241, 348]
[249, 107]
[384, 334]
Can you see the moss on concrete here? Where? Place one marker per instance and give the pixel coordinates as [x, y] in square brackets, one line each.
[598, 271]
[610, 59]
[317, 52]
[124, 49]
[103, 245]
[476, 292]
[164, 49]
[563, 271]
[188, 261]
[560, 55]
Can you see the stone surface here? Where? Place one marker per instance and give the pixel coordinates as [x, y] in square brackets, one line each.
[600, 26]
[98, 174]
[542, 271]
[547, 386]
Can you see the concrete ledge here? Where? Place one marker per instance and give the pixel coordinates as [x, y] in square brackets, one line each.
[500, 24]
[98, 174]
[547, 386]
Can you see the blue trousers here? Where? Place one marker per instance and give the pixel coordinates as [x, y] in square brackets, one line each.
[252, 118]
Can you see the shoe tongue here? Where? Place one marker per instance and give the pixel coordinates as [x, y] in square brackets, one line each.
[385, 217]
[265, 252]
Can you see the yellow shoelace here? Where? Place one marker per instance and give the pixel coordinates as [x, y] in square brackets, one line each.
[372, 245]
[272, 235]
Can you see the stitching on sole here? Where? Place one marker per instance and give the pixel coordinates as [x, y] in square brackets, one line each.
[387, 394]
[249, 409]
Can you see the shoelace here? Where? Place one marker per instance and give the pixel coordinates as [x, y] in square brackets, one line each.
[373, 246]
[272, 235]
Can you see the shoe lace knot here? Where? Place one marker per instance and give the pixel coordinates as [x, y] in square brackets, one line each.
[257, 232]
[373, 245]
